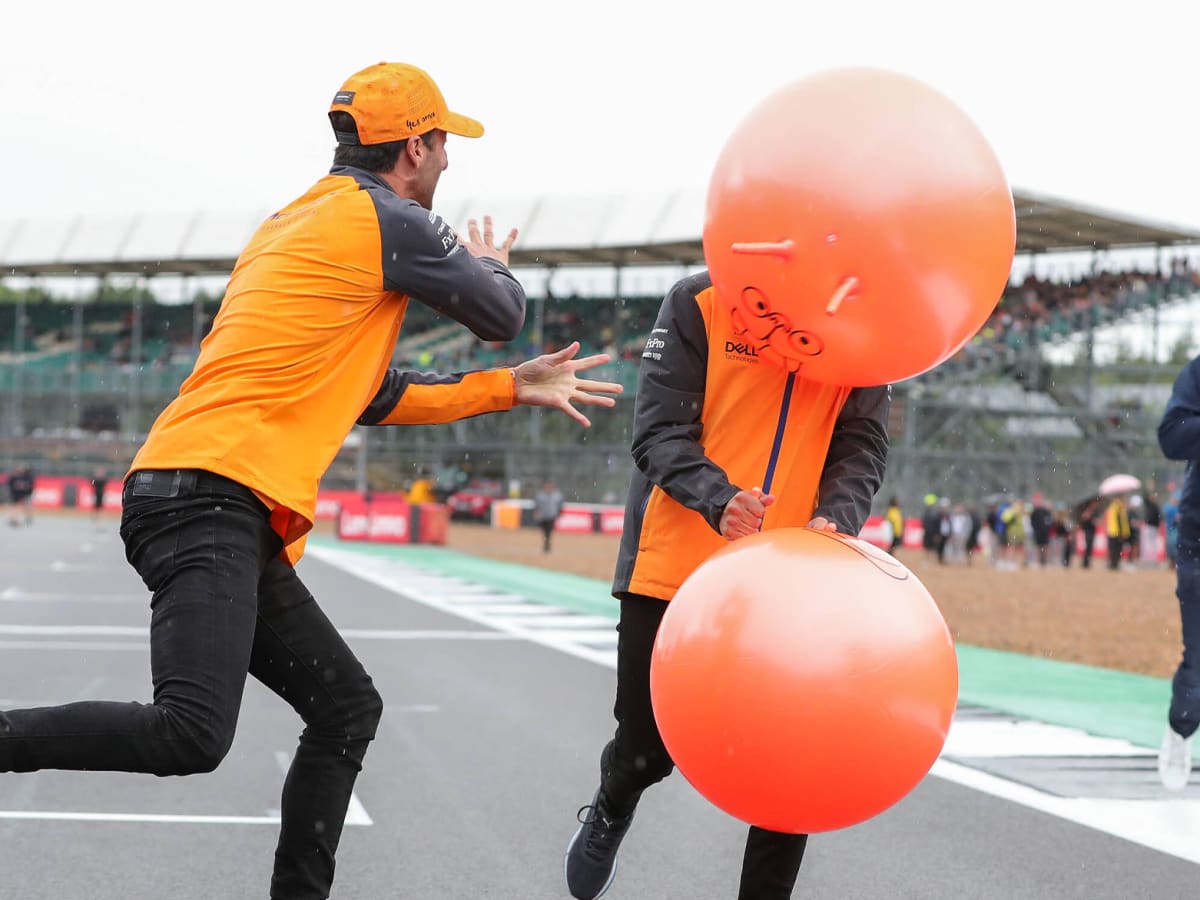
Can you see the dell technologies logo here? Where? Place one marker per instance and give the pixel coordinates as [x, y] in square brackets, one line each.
[741, 351]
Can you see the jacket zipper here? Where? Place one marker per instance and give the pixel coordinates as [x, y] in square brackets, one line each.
[779, 429]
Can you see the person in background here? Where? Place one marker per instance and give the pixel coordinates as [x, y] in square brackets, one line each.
[1135, 510]
[1064, 529]
[895, 518]
[547, 505]
[931, 528]
[1116, 529]
[1170, 515]
[1014, 518]
[20, 496]
[960, 533]
[1087, 525]
[1179, 439]
[1040, 521]
[1151, 524]
[974, 535]
[421, 491]
[99, 483]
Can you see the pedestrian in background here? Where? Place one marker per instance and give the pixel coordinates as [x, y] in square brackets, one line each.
[20, 496]
[895, 518]
[1170, 516]
[1087, 525]
[99, 483]
[1041, 518]
[547, 505]
[1116, 529]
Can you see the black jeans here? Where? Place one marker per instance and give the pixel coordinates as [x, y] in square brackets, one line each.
[1185, 687]
[636, 757]
[224, 605]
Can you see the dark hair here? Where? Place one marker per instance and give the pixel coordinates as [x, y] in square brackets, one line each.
[372, 157]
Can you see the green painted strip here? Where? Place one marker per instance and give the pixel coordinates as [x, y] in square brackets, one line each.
[572, 592]
[1099, 701]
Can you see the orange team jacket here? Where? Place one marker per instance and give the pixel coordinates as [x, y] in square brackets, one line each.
[710, 419]
[299, 350]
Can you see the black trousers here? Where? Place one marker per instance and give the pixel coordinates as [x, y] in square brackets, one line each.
[1089, 543]
[1115, 546]
[1184, 714]
[636, 758]
[223, 606]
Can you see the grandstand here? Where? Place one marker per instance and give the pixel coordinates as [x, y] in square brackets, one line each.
[1050, 395]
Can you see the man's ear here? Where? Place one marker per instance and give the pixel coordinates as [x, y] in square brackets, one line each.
[414, 150]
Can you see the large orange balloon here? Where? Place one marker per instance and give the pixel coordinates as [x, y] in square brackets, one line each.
[803, 681]
[860, 226]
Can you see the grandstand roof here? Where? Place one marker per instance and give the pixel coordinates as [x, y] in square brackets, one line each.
[1049, 224]
[631, 229]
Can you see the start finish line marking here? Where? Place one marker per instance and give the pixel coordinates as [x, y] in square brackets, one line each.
[356, 813]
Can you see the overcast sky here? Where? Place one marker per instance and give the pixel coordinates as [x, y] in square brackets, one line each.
[123, 107]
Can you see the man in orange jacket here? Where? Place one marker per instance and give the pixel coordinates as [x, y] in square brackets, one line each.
[222, 493]
[725, 443]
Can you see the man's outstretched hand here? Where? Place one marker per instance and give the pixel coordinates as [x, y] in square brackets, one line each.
[550, 380]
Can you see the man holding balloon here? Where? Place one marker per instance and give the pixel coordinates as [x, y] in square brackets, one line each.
[858, 232]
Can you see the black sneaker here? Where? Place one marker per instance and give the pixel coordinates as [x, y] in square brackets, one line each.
[591, 861]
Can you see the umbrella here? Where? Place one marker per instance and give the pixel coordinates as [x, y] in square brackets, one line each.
[1119, 484]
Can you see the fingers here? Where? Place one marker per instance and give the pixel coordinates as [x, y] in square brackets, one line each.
[564, 354]
[487, 237]
[765, 499]
[575, 414]
[590, 362]
[590, 400]
[743, 515]
[599, 387]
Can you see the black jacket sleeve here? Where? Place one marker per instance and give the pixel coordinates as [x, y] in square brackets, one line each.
[1179, 430]
[670, 399]
[856, 459]
[423, 259]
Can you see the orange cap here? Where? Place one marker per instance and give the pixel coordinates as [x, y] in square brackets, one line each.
[394, 101]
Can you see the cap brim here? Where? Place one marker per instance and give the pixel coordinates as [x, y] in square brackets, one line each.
[463, 126]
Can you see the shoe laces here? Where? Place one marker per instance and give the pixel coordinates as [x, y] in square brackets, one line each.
[604, 828]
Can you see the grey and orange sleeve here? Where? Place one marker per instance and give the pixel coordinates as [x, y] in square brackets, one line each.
[423, 259]
[426, 398]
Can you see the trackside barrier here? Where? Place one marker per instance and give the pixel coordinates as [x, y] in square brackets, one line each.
[600, 518]
[575, 518]
[385, 517]
[392, 520]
